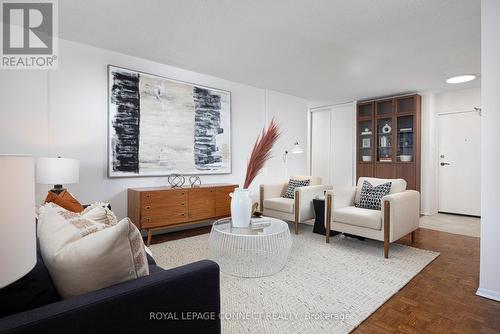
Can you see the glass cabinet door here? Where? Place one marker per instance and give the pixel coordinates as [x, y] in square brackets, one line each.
[405, 105]
[405, 139]
[365, 141]
[384, 140]
[365, 110]
[384, 108]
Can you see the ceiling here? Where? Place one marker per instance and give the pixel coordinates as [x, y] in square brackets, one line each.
[321, 50]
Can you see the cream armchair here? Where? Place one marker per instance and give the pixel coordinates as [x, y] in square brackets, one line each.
[399, 214]
[298, 209]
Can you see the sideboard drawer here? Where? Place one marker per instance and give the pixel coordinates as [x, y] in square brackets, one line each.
[201, 203]
[157, 209]
[165, 196]
[172, 219]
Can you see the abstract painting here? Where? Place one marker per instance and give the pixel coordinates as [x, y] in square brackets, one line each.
[159, 126]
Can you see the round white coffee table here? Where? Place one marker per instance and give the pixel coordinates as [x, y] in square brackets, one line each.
[248, 252]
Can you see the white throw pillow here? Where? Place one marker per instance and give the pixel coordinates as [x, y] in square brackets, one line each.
[100, 213]
[84, 255]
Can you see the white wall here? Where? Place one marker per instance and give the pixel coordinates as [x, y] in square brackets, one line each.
[489, 277]
[64, 112]
[292, 117]
[428, 169]
[459, 100]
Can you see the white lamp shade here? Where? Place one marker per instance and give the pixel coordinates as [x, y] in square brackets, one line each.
[57, 171]
[17, 217]
[297, 149]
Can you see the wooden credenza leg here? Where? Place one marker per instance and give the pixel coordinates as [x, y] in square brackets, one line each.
[148, 242]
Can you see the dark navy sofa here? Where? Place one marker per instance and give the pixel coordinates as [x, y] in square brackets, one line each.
[185, 299]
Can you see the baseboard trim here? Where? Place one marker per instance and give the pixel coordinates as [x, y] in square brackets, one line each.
[490, 294]
[427, 213]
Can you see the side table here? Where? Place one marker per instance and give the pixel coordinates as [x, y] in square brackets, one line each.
[319, 221]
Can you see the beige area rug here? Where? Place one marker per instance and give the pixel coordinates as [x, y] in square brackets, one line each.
[324, 288]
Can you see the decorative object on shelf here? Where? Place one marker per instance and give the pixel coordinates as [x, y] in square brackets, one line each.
[57, 171]
[385, 159]
[158, 126]
[406, 130]
[385, 141]
[366, 143]
[295, 149]
[405, 158]
[241, 203]
[386, 128]
[17, 212]
[194, 181]
[366, 158]
[366, 132]
[176, 180]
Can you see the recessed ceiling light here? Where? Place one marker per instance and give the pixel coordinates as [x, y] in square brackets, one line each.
[461, 79]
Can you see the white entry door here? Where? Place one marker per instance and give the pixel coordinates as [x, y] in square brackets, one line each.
[460, 163]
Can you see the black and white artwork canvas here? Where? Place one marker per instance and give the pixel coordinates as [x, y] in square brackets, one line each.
[159, 126]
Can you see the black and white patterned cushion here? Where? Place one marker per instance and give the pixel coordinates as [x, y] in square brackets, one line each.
[292, 184]
[371, 197]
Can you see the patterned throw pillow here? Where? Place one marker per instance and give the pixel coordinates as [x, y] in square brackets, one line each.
[292, 184]
[371, 197]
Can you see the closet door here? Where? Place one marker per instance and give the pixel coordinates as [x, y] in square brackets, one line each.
[320, 144]
[332, 145]
[342, 145]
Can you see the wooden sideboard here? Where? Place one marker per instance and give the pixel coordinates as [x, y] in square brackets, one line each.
[160, 207]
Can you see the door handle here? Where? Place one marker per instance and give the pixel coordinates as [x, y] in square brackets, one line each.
[444, 163]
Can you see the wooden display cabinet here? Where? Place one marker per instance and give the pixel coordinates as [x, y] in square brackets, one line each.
[388, 138]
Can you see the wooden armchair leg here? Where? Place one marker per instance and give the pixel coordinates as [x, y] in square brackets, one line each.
[413, 234]
[387, 223]
[328, 217]
[297, 211]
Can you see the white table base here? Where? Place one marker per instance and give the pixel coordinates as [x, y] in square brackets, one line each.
[251, 255]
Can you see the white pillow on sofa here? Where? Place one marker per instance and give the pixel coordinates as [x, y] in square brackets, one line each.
[84, 255]
[100, 213]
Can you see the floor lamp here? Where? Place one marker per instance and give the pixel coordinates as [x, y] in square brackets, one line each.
[295, 149]
[17, 217]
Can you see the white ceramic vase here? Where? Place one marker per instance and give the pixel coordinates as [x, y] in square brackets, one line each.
[241, 207]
